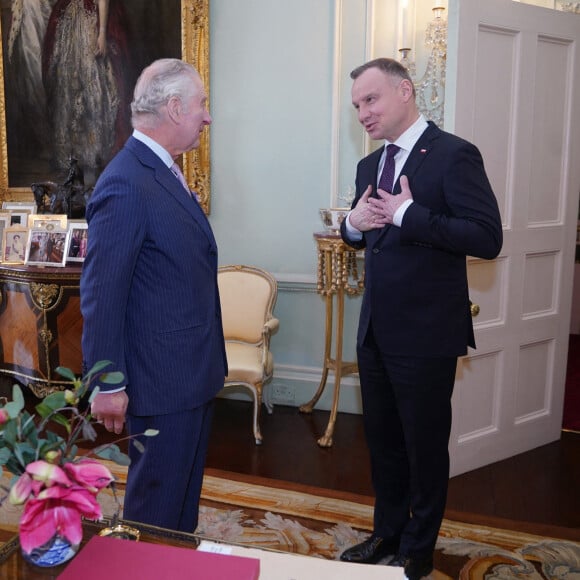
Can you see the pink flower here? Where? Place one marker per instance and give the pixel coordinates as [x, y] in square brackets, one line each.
[89, 473]
[57, 510]
[21, 490]
[47, 473]
[4, 416]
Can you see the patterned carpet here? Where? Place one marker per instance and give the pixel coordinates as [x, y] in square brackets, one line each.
[318, 523]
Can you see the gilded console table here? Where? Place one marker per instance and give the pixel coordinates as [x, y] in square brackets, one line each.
[338, 275]
[40, 325]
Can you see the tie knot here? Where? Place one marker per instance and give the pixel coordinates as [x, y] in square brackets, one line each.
[392, 150]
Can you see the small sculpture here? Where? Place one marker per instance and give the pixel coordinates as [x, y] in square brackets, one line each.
[69, 198]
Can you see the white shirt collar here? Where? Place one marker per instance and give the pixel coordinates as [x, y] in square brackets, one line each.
[408, 139]
[160, 151]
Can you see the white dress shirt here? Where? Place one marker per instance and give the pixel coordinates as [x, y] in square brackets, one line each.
[405, 142]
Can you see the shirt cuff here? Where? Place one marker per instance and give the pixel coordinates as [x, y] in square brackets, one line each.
[111, 391]
[352, 233]
[398, 217]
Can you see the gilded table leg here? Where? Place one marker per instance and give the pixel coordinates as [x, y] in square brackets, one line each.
[307, 407]
[326, 439]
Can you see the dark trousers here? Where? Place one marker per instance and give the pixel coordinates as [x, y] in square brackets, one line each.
[407, 421]
[164, 483]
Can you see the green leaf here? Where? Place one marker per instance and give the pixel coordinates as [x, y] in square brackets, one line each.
[61, 420]
[55, 400]
[66, 373]
[99, 366]
[93, 394]
[17, 396]
[10, 433]
[151, 432]
[5, 455]
[88, 430]
[113, 378]
[13, 409]
[138, 445]
[113, 453]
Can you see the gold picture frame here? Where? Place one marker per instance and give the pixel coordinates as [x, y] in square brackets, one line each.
[194, 15]
[48, 221]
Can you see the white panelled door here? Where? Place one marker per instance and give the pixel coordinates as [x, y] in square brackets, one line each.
[514, 76]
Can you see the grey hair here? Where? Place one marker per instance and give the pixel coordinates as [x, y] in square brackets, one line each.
[391, 67]
[158, 83]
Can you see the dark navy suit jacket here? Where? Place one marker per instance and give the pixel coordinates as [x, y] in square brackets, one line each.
[416, 293]
[149, 295]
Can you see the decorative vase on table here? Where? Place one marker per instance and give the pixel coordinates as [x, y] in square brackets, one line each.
[56, 551]
[55, 484]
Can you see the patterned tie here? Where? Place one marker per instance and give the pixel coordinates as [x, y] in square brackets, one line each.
[388, 174]
[175, 169]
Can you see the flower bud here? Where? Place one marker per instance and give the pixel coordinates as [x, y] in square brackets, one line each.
[91, 474]
[53, 456]
[70, 397]
[47, 473]
[21, 490]
[4, 416]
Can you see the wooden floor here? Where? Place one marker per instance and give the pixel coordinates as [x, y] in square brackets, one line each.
[536, 492]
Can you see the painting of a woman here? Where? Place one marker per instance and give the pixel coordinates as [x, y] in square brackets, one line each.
[28, 20]
[85, 59]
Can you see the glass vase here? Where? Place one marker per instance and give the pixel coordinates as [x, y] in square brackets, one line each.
[56, 551]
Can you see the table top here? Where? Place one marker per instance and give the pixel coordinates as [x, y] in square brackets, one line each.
[13, 565]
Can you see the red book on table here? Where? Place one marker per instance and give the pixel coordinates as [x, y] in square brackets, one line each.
[115, 559]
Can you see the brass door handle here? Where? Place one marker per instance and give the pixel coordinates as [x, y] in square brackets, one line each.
[474, 309]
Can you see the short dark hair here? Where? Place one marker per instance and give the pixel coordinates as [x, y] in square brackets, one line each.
[389, 66]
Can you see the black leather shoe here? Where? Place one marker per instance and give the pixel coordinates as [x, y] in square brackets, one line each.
[415, 568]
[370, 551]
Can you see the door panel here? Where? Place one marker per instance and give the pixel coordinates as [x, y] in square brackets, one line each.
[510, 97]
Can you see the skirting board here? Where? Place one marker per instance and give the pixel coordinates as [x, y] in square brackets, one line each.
[293, 386]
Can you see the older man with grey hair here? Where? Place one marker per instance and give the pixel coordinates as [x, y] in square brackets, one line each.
[150, 302]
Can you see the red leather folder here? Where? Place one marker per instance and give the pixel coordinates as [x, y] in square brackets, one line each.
[115, 559]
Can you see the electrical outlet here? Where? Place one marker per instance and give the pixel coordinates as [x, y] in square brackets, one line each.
[283, 394]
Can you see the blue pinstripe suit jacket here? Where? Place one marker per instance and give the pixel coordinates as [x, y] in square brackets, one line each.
[149, 295]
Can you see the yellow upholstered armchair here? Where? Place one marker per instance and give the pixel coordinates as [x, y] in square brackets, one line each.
[248, 296]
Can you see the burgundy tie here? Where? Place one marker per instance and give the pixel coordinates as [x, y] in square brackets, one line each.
[388, 174]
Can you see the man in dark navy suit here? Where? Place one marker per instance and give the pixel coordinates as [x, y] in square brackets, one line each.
[423, 203]
[150, 302]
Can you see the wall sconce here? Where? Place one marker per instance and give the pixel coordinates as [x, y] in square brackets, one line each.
[431, 87]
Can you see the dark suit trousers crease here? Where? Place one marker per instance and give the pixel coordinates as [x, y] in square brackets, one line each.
[164, 483]
[407, 421]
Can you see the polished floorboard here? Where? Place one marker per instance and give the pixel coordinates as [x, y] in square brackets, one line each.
[536, 492]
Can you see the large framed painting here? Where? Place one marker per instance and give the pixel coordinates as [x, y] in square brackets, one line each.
[66, 85]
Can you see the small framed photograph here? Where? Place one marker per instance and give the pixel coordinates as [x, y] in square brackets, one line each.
[79, 237]
[15, 240]
[49, 222]
[19, 217]
[19, 206]
[47, 247]
[4, 223]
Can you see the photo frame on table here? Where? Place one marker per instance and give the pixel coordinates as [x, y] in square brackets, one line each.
[144, 32]
[19, 218]
[14, 242]
[19, 206]
[79, 237]
[47, 247]
[50, 222]
[4, 223]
